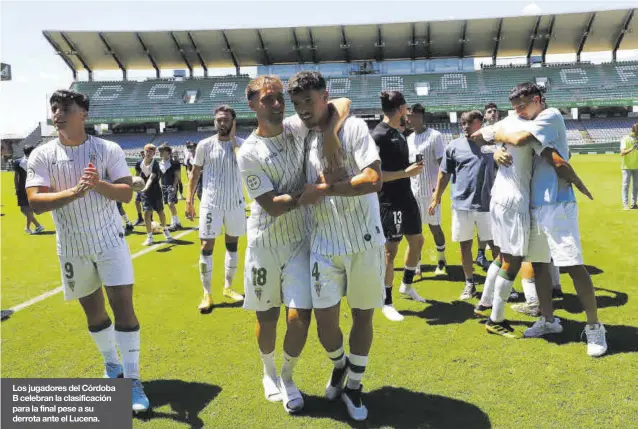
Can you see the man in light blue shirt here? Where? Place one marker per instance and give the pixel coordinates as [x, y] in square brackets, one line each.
[554, 231]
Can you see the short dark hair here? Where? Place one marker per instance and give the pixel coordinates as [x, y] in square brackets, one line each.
[27, 150]
[306, 81]
[526, 89]
[472, 115]
[226, 108]
[417, 108]
[67, 97]
[490, 106]
[391, 101]
[165, 146]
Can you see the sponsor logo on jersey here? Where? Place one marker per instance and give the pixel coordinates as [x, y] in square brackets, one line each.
[258, 291]
[318, 288]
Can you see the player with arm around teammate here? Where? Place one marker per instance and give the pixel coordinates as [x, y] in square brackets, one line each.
[555, 233]
[78, 177]
[277, 265]
[346, 249]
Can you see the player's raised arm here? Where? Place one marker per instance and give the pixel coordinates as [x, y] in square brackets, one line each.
[339, 110]
[41, 199]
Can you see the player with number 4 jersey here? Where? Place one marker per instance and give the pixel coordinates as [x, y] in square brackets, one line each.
[277, 265]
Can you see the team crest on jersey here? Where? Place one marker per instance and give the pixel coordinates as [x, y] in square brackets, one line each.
[258, 293]
[253, 182]
[71, 284]
[93, 158]
[318, 288]
[30, 173]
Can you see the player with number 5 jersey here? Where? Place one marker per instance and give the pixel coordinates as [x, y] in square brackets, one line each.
[79, 179]
[222, 203]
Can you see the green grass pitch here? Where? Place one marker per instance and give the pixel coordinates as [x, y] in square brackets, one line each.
[437, 369]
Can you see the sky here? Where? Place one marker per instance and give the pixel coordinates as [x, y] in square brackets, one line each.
[38, 72]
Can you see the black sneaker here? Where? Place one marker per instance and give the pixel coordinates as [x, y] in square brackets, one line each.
[129, 227]
[481, 261]
[354, 404]
[501, 328]
[482, 310]
[557, 293]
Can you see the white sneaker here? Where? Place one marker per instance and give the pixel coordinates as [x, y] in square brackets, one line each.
[468, 292]
[352, 399]
[149, 241]
[168, 237]
[271, 389]
[543, 327]
[596, 342]
[291, 397]
[39, 230]
[409, 292]
[28, 231]
[391, 313]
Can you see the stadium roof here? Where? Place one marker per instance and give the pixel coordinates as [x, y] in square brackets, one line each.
[502, 37]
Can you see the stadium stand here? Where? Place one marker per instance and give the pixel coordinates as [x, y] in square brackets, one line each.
[165, 99]
[608, 130]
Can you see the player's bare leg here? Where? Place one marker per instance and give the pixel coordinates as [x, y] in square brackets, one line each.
[331, 338]
[388, 310]
[497, 324]
[175, 223]
[297, 322]
[140, 218]
[230, 267]
[30, 218]
[167, 233]
[148, 223]
[206, 274]
[266, 332]
[439, 242]
[468, 270]
[412, 256]
[360, 343]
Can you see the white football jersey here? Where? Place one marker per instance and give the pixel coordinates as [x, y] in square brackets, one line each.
[512, 184]
[344, 225]
[221, 179]
[430, 144]
[273, 164]
[90, 225]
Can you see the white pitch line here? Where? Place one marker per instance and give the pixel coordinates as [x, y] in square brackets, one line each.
[60, 288]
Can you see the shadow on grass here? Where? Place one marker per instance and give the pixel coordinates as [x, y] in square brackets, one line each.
[571, 302]
[620, 338]
[44, 233]
[454, 274]
[593, 271]
[443, 313]
[187, 400]
[399, 408]
[177, 242]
